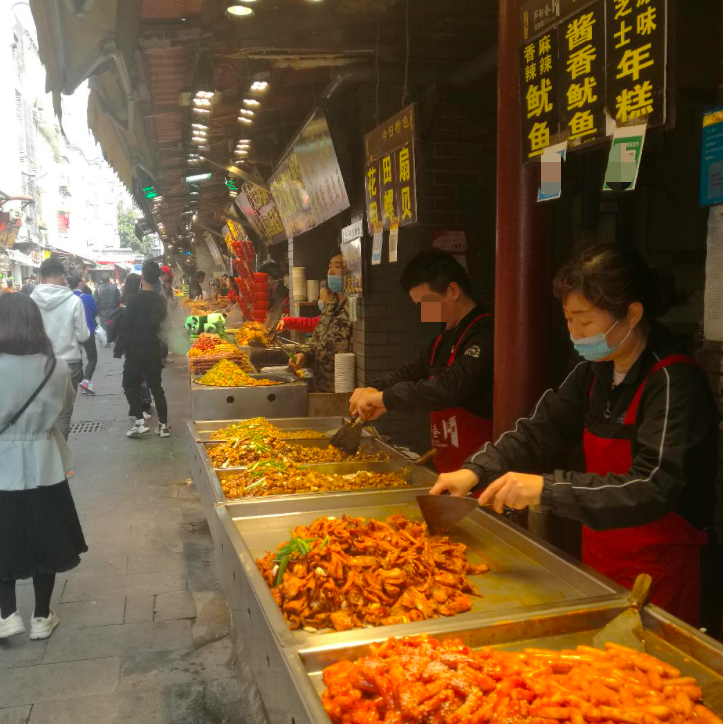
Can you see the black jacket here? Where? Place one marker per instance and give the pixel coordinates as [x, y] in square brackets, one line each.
[467, 383]
[141, 322]
[674, 443]
[108, 298]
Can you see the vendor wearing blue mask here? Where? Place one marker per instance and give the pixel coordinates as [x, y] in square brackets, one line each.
[645, 416]
[332, 334]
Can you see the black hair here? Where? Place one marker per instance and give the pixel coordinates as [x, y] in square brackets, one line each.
[52, 267]
[28, 288]
[131, 286]
[21, 327]
[336, 252]
[74, 281]
[105, 279]
[272, 269]
[86, 289]
[151, 271]
[436, 268]
[200, 272]
[613, 276]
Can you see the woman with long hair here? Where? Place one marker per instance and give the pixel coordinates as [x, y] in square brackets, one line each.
[644, 414]
[40, 534]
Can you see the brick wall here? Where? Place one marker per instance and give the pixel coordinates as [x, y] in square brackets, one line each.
[712, 361]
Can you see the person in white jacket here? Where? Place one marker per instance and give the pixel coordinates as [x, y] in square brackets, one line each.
[64, 319]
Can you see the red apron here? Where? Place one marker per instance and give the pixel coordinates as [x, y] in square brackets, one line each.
[456, 433]
[668, 549]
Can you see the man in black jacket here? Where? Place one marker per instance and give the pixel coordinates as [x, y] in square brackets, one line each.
[452, 378]
[108, 298]
[140, 327]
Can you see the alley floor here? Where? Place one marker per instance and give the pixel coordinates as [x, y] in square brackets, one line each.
[144, 634]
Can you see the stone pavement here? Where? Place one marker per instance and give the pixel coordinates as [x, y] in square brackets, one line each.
[145, 634]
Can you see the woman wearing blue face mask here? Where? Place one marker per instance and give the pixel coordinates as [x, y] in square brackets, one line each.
[307, 325]
[333, 332]
[645, 416]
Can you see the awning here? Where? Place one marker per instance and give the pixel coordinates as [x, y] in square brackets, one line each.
[21, 258]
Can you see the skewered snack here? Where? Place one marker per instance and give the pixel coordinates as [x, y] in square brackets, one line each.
[252, 334]
[260, 424]
[264, 446]
[227, 374]
[349, 572]
[270, 477]
[422, 680]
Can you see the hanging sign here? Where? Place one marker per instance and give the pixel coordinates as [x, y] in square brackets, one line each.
[551, 172]
[390, 178]
[351, 253]
[377, 244]
[393, 241]
[257, 205]
[711, 165]
[538, 16]
[624, 159]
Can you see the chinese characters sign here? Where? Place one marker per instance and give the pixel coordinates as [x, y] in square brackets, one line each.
[256, 204]
[538, 16]
[539, 93]
[390, 180]
[636, 50]
[307, 185]
[609, 56]
[711, 167]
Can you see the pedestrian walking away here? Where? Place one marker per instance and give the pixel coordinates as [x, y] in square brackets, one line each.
[108, 299]
[140, 330]
[40, 533]
[64, 320]
[75, 282]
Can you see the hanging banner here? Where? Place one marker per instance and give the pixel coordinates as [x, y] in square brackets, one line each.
[636, 60]
[711, 164]
[624, 159]
[390, 178]
[257, 205]
[538, 16]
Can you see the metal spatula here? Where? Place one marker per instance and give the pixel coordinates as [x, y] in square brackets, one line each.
[421, 460]
[348, 437]
[442, 512]
[626, 628]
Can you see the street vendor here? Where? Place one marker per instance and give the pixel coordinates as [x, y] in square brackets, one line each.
[646, 419]
[452, 377]
[333, 332]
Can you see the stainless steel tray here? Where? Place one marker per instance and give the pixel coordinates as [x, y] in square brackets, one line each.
[665, 636]
[203, 430]
[526, 575]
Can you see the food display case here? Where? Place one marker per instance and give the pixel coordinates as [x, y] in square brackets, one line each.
[298, 699]
[287, 399]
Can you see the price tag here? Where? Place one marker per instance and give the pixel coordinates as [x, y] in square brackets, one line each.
[393, 241]
[377, 245]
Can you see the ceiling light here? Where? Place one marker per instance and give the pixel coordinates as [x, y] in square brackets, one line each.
[202, 126]
[239, 10]
[259, 86]
[198, 177]
[246, 112]
[194, 193]
[201, 110]
[201, 101]
[251, 102]
[245, 120]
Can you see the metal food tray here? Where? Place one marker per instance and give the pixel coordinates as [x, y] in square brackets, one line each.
[526, 574]
[202, 430]
[666, 637]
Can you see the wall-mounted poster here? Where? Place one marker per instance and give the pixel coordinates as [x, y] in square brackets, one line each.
[351, 252]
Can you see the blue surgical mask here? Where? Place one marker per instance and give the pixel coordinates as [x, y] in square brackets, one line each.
[597, 347]
[321, 305]
[335, 282]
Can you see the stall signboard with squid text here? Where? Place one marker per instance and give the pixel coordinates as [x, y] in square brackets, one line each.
[255, 202]
[390, 171]
[587, 68]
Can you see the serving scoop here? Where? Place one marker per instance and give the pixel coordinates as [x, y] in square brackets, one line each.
[626, 629]
[442, 512]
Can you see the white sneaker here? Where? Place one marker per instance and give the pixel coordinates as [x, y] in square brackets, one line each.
[162, 430]
[11, 625]
[138, 429]
[147, 415]
[87, 387]
[41, 628]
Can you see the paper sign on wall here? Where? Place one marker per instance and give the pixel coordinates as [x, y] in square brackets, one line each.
[393, 241]
[551, 172]
[624, 159]
[377, 245]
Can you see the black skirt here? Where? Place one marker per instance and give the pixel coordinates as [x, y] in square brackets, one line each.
[39, 532]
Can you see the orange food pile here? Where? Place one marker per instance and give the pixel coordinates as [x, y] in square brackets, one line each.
[376, 572]
[226, 374]
[420, 679]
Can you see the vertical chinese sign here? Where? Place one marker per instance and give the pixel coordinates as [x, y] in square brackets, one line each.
[390, 178]
[540, 116]
[582, 76]
[636, 59]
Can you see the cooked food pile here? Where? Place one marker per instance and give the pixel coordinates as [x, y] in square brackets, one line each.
[252, 334]
[247, 450]
[226, 374]
[209, 349]
[350, 572]
[420, 679]
[261, 424]
[270, 477]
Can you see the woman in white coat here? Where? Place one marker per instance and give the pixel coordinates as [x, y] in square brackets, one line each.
[40, 534]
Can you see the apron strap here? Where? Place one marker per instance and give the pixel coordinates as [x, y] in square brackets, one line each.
[672, 359]
[434, 351]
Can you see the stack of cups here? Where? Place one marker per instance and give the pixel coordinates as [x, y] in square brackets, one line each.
[312, 290]
[298, 283]
[344, 371]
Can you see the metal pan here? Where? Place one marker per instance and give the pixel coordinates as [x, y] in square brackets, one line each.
[665, 636]
[203, 430]
[526, 574]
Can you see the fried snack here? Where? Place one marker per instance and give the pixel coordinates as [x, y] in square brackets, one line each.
[243, 428]
[267, 478]
[245, 451]
[252, 334]
[227, 374]
[420, 679]
[377, 572]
